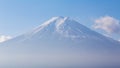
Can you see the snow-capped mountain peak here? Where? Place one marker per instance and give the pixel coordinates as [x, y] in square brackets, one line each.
[61, 29]
[64, 26]
[53, 22]
[62, 38]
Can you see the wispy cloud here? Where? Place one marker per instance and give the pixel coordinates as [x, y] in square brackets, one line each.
[108, 24]
[119, 40]
[4, 38]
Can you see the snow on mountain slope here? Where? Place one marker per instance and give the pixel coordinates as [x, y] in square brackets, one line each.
[62, 41]
[66, 31]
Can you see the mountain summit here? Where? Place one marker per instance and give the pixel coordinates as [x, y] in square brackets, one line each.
[63, 26]
[65, 41]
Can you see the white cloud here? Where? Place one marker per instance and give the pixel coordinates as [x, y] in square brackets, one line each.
[108, 24]
[119, 40]
[4, 38]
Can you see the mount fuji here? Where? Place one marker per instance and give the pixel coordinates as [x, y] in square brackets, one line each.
[60, 42]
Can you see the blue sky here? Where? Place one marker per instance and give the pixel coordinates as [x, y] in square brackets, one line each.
[20, 16]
